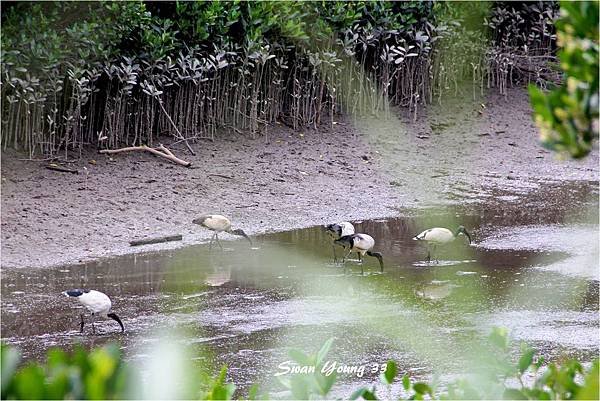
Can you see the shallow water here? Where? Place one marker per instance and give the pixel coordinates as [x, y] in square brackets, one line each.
[535, 275]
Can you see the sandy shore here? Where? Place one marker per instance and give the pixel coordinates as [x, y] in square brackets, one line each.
[357, 170]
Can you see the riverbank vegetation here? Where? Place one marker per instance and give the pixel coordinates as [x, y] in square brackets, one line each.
[124, 73]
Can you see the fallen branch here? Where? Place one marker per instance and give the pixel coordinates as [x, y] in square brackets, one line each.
[165, 153]
[221, 176]
[62, 169]
[157, 240]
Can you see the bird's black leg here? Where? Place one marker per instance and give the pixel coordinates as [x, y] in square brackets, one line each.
[218, 242]
[93, 326]
[82, 323]
[359, 257]
[346, 256]
[212, 237]
[334, 255]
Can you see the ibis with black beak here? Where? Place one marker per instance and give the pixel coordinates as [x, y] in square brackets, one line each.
[361, 244]
[218, 223]
[97, 303]
[434, 237]
[338, 230]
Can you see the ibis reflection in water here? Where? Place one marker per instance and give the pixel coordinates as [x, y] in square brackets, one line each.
[361, 244]
[218, 223]
[97, 303]
[338, 230]
[434, 237]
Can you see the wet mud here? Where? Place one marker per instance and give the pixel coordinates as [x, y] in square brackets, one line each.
[456, 153]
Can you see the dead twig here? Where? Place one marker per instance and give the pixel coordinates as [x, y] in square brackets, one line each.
[62, 169]
[167, 154]
[221, 176]
[157, 240]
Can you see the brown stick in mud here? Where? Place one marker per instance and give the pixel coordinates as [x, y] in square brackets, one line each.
[157, 240]
[165, 153]
[62, 169]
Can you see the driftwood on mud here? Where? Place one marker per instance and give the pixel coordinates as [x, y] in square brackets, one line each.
[62, 169]
[161, 151]
[156, 240]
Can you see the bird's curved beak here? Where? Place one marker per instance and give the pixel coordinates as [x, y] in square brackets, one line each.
[248, 238]
[380, 258]
[116, 318]
[243, 234]
[468, 236]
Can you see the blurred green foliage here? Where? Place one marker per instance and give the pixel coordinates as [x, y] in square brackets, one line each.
[101, 374]
[568, 116]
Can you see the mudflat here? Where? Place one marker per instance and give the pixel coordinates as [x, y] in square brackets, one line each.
[285, 179]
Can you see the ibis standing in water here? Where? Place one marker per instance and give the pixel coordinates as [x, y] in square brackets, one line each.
[97, 303]
[361, 244]
[439, 236]
[218, 223]
[338, 230]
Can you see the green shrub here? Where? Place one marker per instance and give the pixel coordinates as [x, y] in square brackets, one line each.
[568, 116]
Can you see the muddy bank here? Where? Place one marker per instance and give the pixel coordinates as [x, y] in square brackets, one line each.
[457, 153]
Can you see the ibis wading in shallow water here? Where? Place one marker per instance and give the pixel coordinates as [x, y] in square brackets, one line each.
[338, 230]
[439, 236]
[218, 223]
[361, 244]
[98, 303]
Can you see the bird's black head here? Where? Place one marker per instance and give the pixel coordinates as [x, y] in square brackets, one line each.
[347, 241]
[463, 230]
[116, 318]
[334, 230]
[241, 233]
[200, 219]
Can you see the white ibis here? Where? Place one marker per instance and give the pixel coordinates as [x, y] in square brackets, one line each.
[439, 236]
[218, 223]
[338, 230]
[98, 303]
[361, 244]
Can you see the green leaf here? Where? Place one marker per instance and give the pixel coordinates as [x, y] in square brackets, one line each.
[364, 393]
[390, 372]
[590, 389]
[299, 388]
[422, 388]
[526, 360]
[406, 382]
[499, 337]
[253, 392]
[300, 357]
[30, 383]
[323, 352]
[10, 359]
[324, 383]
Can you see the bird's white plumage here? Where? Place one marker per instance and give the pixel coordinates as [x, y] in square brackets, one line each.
[216, 222]
[363, 243]
[95, 301]
[347, 228]
[437, 235]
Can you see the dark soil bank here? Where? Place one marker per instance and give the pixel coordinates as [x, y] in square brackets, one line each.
[357, 170]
